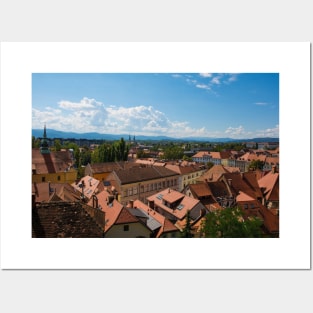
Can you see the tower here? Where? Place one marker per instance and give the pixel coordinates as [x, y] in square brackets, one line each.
[44, 147]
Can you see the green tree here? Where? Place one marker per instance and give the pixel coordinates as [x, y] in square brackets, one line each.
[35, 142]
[209, 165]
[118, 151]
[187, 158]
[256, 164]
[57, 145]
[173, 152]
[230, 223]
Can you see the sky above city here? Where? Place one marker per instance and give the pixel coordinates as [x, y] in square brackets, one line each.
[213, 105]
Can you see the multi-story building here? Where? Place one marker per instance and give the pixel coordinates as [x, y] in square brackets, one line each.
[188, 172]
[140, 183]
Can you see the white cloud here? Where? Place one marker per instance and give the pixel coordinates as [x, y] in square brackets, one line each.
[205, 74]
[203, 86]
[232, 78]
[93, 116]
[261, 103]
[269, 132]
[235, 130]
[216, 80]
[85, 103]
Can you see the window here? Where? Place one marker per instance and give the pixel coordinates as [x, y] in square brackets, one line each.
[59, 177]
[43, 179]
[126, 227]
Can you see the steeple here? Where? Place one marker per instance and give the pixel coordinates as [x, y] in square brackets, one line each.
[44, 147]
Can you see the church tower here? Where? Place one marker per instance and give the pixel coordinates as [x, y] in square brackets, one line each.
[44, 147]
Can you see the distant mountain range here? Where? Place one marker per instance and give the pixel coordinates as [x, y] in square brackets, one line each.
[51, 133]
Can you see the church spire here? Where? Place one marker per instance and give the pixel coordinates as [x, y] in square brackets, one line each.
[44, 147]
[45, 132]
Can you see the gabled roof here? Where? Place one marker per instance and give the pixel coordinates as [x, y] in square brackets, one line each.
[219, 189]
[245, 182]
[108, 167]
[270, 186]
[53, 162]
[45, 191]
[132, 175]
[125, 217]
[151, 222]
[172, 196]
[112, 210]
[243, 197]
[216, 171]
[213, 154]
[63, 219]
[185, 168]
[200, 190]
[183, 204]
[166, 225]
[201, 154]
[91, 186]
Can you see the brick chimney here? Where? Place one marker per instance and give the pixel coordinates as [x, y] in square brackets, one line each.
[131, 203]
[274, 169]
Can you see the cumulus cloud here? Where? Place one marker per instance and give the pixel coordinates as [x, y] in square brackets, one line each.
[205, 74]
[235, 131]
[89, 115]
[269, 132]
[85, 103]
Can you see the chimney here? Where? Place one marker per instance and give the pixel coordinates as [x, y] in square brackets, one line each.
[229, 180]
[94, 202]
[273, 169]
[131, 203]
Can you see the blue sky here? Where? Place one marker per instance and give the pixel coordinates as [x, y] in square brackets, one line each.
[171, 104]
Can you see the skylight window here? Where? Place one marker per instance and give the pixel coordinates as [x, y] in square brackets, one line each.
[181, 206]
[160, 196]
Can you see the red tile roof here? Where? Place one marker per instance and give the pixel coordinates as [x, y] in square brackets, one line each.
[92, 186]
[167, 225]
[62, 191]
[133, 175]
[215, 172]
[111, 210]
[180, 209]
[52, 162]
[245, 182]
[125, 217]
[270, 184]
[108, 167]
